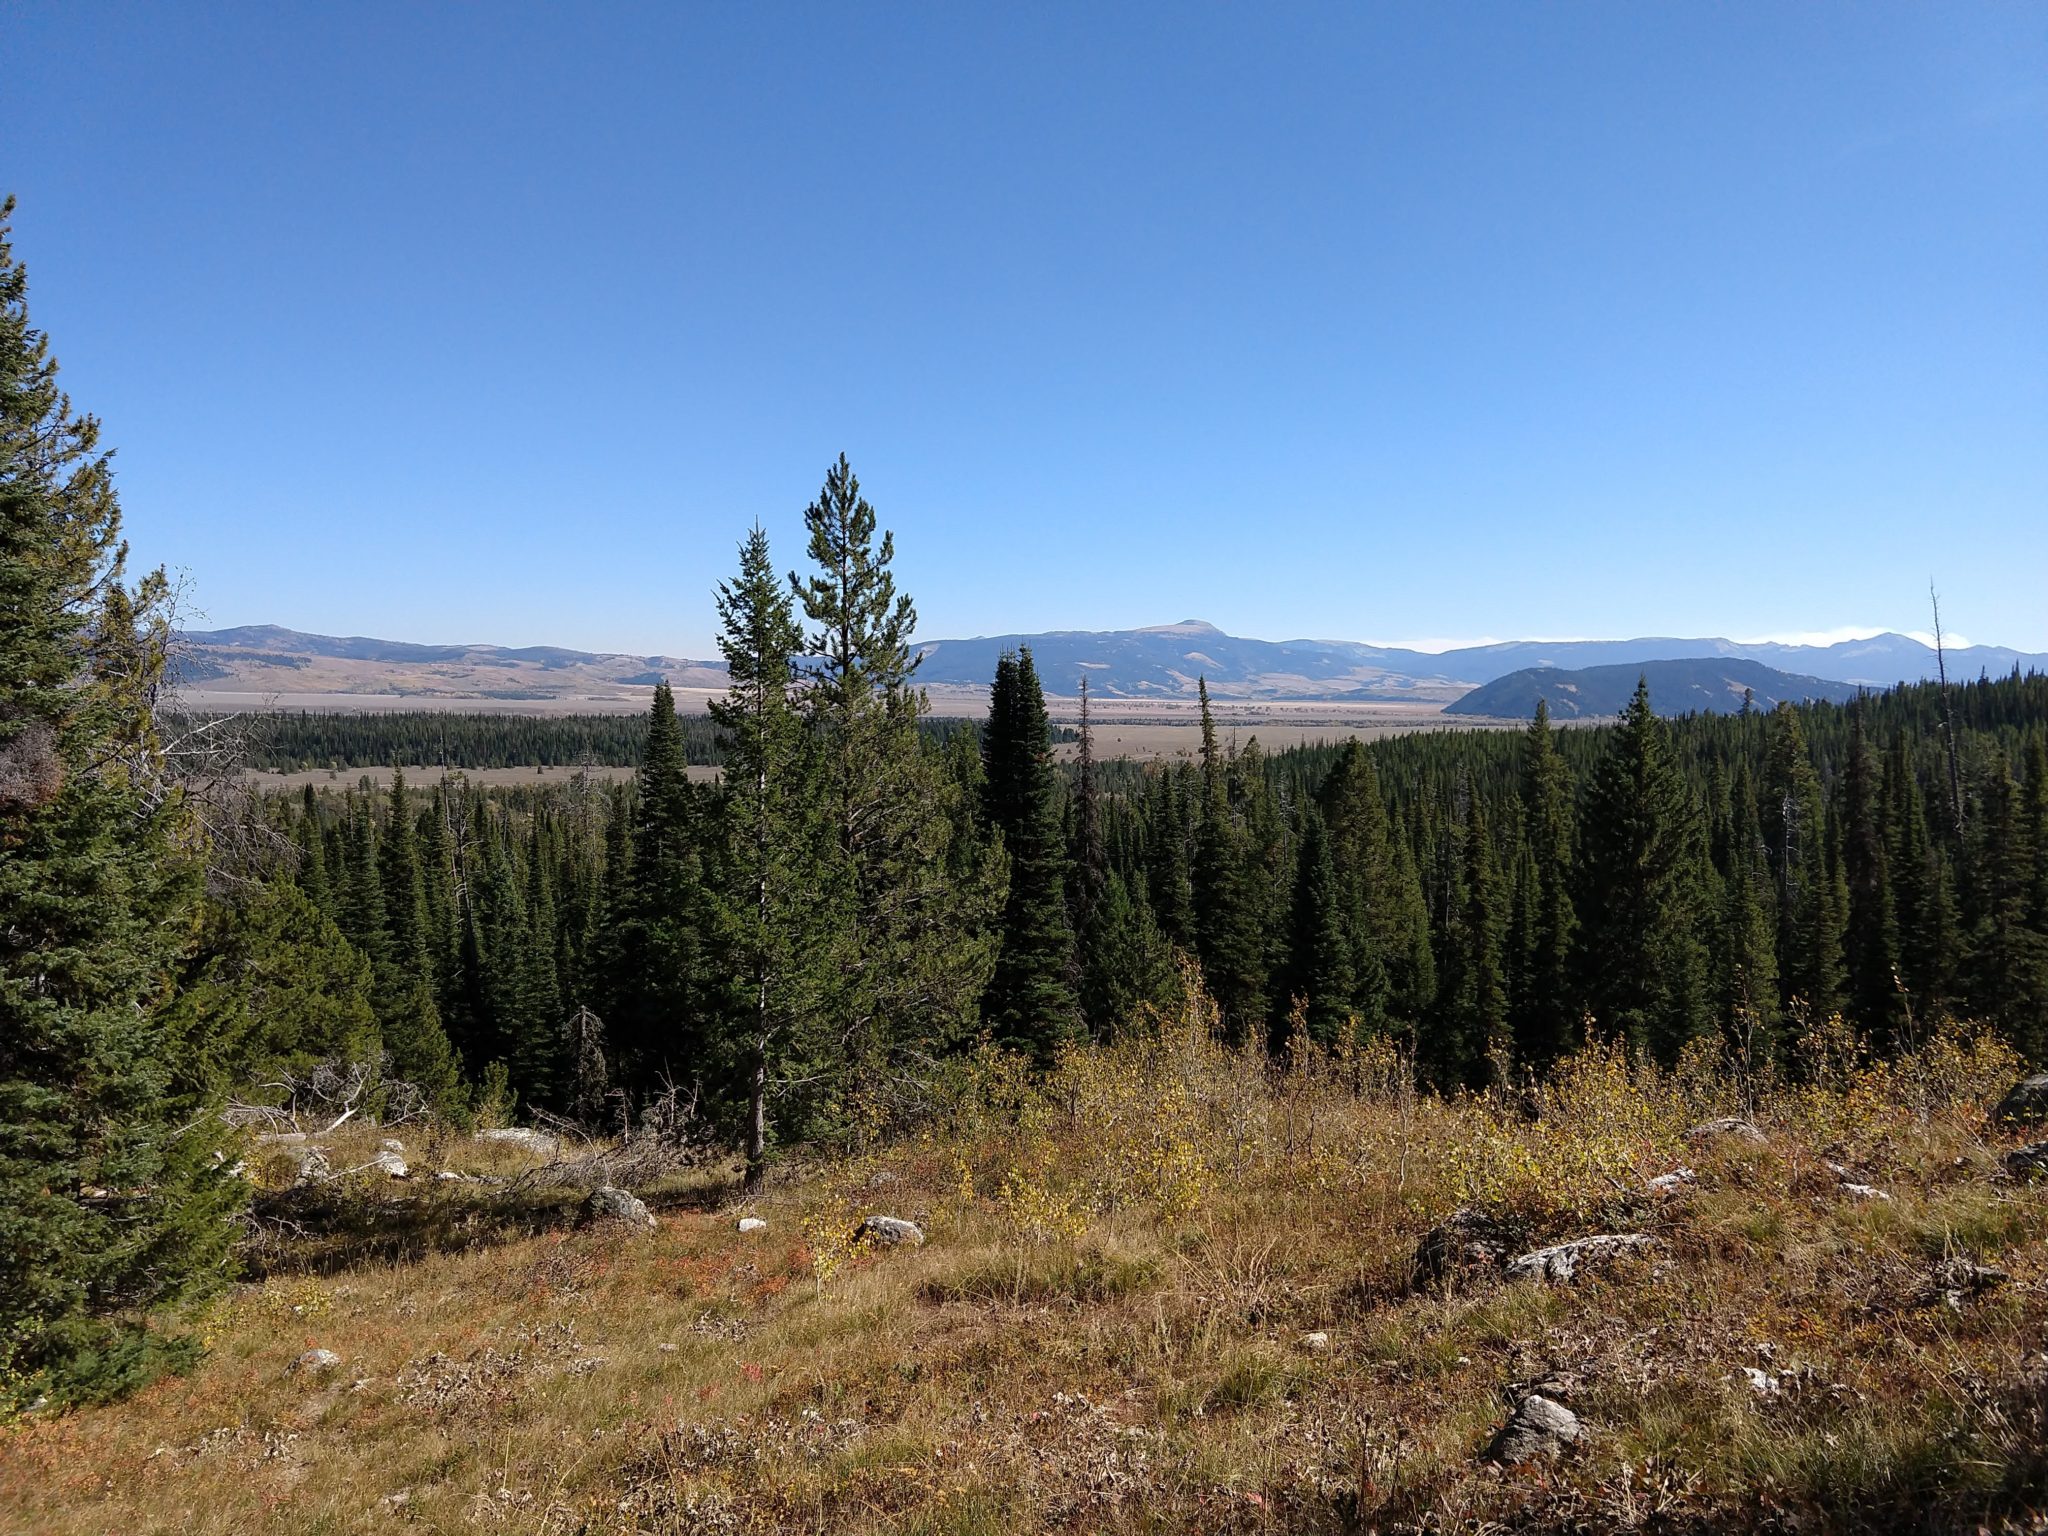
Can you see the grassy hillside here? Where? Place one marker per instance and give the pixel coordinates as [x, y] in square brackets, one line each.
[1113, 1324]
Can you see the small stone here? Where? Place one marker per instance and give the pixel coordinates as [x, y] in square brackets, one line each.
[1674, 1181]
[1537, 1427]
[1317, 1343]
[1733, 1127]
[312, 1166]
[2026, 1103]
[889, 1232]
[615, 1205]
[1561, 1263]
[392, 1144]
[449, 1176]
[752, 1224]
[315, 1360]
[398, 1500]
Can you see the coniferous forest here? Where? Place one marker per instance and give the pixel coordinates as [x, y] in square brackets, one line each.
[785, 957]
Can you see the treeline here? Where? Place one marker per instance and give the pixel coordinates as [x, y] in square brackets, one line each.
[295, 741]
[1485, 897]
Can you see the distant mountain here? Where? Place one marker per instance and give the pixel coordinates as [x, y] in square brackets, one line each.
[1160, 662]
[265, 659]
[1702, 684]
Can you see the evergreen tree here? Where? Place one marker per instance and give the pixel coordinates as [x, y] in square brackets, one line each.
[1871, 938]
[1547, 1014]
[911, 946]
[2008, 955]
[1089, 860]
[769, 897]
[1640, 957]
[1319, 974]
[110, 1206]
[1795, 833]
[659, 1017]
[1029, 1004]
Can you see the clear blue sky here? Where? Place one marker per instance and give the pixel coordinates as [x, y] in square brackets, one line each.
[1366, 321]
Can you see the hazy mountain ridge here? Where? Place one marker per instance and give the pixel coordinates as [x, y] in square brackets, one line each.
[1708, 684]
[1158, 662]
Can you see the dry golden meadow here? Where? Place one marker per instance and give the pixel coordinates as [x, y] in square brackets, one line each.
[1110, 1325]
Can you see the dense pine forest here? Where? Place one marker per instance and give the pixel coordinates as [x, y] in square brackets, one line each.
[793, 954]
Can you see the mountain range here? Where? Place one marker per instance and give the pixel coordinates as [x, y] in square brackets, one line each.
[1162, 662]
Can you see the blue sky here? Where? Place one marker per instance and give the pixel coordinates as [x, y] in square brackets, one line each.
[1376, 321]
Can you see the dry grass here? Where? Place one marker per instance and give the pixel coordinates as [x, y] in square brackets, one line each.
[1104, 1331]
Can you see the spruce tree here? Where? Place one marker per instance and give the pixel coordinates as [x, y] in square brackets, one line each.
[1029, 1005]
[769, 898]
[1087, 891]
[1871, 939]
[1548, 1013]
[111, 1207]
[1319, 965]
[1640, 958]
[1796, 834]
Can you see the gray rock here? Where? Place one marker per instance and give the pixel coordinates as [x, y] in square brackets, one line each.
[1671, 1183]
[1730, 1127]
[1537, 1427]
[315, 1360]
[889, 1232]
[1317, 1343]
[313, 1165]
[2026, 1103]
[1465, 1239]
[391, 1164]
[753, 1224]
[392, 1144]
[615, 1205]
[1955, 1281]
[1562, 1262]
[540, 1143]
[2028, 1162]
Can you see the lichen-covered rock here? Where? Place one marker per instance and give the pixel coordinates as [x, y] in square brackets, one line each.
[315, 1360]
[1537, 1427]
[2026, 1103]
[1562, 1262]
[609, 1205]
[753, 1224]
[2028, 1162]
[889, 1232]
[540, 1143]
[1674, 1182]
[312, 1165]
[390, 1164]
[1465, 1239]
[1727, 1128]
[1317, 1343]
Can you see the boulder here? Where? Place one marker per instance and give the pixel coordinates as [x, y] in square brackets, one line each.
[1562, 1262]
[2026, 1103]
[1729, 1128]
[390, 1164]
[315, 1360]
[1465, 1239]
[392, 1144]
[2028, 1162]
[540, 1143]
[753, 1224]
[615, 1205]
[1537, 1427]
[889, 1232]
